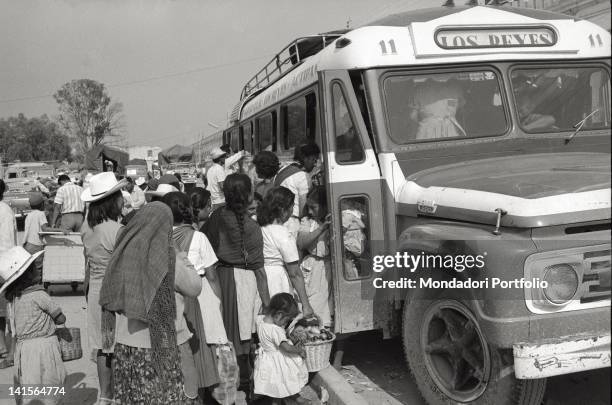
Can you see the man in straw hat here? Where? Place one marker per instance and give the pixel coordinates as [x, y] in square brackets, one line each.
[216, 176]
[167, 183]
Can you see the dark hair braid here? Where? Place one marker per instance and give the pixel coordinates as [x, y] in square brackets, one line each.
[237, 190]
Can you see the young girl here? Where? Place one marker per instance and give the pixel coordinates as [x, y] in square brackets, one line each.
[280, 251]
[33, 315]
[313, 236]
[280, 371]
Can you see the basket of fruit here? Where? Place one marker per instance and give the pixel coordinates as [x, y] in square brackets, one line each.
[317, 343]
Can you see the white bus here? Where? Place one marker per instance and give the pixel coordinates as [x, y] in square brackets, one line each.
[457, 131]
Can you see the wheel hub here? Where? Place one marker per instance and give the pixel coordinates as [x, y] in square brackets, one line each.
[455, 352]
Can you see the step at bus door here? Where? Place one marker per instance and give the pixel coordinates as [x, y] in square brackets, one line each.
[354, 197]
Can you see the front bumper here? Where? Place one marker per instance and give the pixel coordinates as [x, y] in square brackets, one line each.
[571, 355]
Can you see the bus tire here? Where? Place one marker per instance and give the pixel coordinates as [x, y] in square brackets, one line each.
[438, 335]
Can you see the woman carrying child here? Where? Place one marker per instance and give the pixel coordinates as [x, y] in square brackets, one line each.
[313, 236]
[280, 251]
[280, 370]
[33, 317]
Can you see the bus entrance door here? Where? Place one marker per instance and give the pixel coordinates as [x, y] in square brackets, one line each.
[354, 194]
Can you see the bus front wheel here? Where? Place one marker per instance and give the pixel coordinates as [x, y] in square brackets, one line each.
[452, 362]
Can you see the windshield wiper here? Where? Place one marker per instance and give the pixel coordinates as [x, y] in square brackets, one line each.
[579, 125]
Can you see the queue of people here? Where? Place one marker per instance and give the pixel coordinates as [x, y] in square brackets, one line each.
[180, 288]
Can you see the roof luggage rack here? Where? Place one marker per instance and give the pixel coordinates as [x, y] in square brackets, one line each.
[289, 57]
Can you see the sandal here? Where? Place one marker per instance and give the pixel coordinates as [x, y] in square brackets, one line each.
[105, 401]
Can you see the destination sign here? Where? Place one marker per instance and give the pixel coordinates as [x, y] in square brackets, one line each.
[453, 38]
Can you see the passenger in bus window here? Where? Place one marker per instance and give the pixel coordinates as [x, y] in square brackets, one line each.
[530, 119]
[438, 103]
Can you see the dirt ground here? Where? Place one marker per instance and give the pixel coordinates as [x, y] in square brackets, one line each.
[383, 362]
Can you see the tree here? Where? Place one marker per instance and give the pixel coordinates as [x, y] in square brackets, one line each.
[32, 139]
[88, 114]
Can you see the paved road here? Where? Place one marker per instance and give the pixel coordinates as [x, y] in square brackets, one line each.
[383, 363]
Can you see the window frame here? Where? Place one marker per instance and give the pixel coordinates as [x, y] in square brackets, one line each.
[368, 234]
[273, 116]
[349, 109]
[500, 78]
[552, 65]
[284, 133]
[251, 135]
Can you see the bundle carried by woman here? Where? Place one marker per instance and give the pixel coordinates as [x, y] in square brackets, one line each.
[139, 282]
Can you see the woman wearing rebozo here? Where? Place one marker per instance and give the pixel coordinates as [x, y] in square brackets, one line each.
[238, 244]
[140, 311]
[99, 233]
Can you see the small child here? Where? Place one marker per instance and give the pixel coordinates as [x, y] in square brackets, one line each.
[36, 222]
[280, 371]
[257, 200]
[33, 315]
[313, 236]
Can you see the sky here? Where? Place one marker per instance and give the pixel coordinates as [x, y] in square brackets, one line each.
[176, 66]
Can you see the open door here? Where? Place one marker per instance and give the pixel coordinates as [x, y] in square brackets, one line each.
[355, 201]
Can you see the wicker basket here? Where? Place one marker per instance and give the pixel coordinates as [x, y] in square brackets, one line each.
[70, 343]
[317, 354]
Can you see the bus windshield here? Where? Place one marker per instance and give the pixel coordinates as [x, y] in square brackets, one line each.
[432, 106]
[558, 99]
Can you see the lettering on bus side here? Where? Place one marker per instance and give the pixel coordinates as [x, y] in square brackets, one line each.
[495, 38]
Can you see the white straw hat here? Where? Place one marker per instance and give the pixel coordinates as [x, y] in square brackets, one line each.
[162, 190]
[102, 185]
[13, 263]
[217, 153]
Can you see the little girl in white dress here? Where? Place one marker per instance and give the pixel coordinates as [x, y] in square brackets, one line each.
[280, 370]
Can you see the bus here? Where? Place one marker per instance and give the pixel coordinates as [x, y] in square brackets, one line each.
[475, 134]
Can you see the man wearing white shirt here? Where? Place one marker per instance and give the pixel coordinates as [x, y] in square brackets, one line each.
[216, 176]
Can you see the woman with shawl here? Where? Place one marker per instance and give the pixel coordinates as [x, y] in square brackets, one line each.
[238, 244]
[140, 309]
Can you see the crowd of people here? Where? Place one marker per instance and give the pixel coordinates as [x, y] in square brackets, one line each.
[188, 294]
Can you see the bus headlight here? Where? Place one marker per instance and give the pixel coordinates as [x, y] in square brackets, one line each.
[562, 282]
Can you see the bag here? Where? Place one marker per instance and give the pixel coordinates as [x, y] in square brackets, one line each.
[229, 375]
[70, 343]
[285, 173]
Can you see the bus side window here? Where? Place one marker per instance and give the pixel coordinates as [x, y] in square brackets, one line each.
[299, 121]
[354, 213]
[348, 145]
[235, 143]
[247, 136]
[266, 132]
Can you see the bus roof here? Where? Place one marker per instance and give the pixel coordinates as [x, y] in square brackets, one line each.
[427, 14]
[442, 35]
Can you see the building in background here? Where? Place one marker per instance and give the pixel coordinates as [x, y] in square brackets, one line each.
[204, 145]
[147, 153]
[596, 11]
